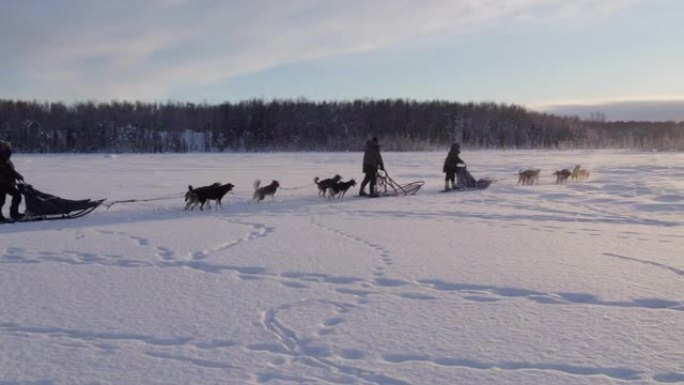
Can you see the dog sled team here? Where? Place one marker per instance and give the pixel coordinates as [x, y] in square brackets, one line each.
[531, 176]
[331, 188]
[376, 179]
[457, 177]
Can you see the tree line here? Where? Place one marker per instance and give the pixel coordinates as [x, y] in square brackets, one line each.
[301, 125]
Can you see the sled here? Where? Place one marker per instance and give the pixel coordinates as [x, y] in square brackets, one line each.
[386, 186]
[468, 183]
[480, 184]
[43, 206]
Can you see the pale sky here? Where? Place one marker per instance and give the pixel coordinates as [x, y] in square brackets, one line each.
[534, 53]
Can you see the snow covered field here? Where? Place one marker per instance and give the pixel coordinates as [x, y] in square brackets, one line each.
[545, 284]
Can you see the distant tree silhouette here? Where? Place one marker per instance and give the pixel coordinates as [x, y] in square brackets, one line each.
[301, 125]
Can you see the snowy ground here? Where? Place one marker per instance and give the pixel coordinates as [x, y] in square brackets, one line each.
[545, 284]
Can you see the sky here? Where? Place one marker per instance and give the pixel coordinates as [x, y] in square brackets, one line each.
[617, 57]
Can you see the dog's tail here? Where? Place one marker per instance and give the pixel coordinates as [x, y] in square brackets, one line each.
[257, 183]
[316, 179]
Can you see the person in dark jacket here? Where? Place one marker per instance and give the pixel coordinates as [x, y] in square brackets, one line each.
[8, 181]
[451, 165]
[372, 161]
[455, 168]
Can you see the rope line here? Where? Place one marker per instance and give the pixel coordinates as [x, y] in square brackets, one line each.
[174, 196]
[298, 187]
[178, 195]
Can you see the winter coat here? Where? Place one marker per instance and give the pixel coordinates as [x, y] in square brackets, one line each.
[371, 157]
[8, 175]
[453, 160]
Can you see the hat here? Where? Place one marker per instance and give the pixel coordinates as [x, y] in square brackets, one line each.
[5, 144]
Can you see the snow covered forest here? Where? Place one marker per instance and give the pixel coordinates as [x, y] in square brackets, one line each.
[301, 125]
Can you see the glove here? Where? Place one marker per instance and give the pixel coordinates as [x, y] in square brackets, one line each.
[18, 176]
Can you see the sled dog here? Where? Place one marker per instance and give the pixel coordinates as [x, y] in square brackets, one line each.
[325, 184]
[528, 176]
[262, 192]
[579, 174]
[338, 190]
[202, 195]
[562, 175]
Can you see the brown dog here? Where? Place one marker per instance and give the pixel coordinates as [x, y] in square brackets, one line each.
[562, 175]
[579, 174]
[528, 177]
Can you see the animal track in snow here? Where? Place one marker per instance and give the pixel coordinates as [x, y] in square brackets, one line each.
[317, 355]
[485, 293]
[665, 267]
[385, 256]
[257, 230]
[619, 373]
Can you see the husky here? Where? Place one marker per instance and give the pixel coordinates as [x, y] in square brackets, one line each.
[202, 195]
[562, 175]
[579, 174]
[528, 176]
[340, 189]
[262, 192]
[325, 184]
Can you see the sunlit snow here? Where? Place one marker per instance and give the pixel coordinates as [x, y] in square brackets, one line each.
[580, 283]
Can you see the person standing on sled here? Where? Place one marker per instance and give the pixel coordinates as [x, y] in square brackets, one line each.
[451, 164]
[455, 169]
[372, 161]
[8, 181]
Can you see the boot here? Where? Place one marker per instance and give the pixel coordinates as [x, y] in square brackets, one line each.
[14, 213]
[14, 206]
[5, 220]
[446, 185]
[453, 185]
[362, 189]
[373, 192]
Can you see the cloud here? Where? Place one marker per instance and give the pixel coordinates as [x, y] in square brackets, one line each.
[127, 49]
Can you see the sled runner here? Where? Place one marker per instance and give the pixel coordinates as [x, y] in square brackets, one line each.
[43, 206]
[386, 186]
[480, 184]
